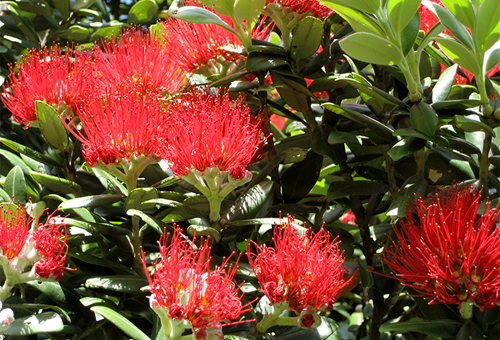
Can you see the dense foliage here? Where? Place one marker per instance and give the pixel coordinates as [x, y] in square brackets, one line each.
[252, 169]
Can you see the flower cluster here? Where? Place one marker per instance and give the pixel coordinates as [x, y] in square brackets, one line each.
[302, 272]
[186, 293]
[447, 251]
[303, 7]
[57, 78]
[26, 255]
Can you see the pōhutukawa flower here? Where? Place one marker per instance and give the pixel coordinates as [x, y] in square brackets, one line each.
[302, 273]
[138, 58]
[124, 127]
[26, 254]
[187, 294]
[56, 78]
[301, 7]
[447, 251]
[211, 141]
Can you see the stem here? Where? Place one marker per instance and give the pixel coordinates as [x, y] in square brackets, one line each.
[481, 86]
[390, 170]
[484, 162]
[271, 319]
[135, 243]
[5, 290]
[381, 308]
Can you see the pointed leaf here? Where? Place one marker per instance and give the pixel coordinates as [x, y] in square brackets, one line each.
[443, 86]
[462, 10]
[119, 283]
[93, 227]
[459, 54]
[199, 15]
[382, 51]
[110, 182]
[400, 12]
[342, 189]
[33, 324]
[121, 322]
[406, 147]
[90, 201]
[56, 184]
[487, 30]
[249, 204]
[360, 21]
[301, 177]
[440, 328]
[24, 150]
[138, 196]
[15, 185]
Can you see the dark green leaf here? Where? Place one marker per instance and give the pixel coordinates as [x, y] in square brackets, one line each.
[301, 177]
[90, 201]
[95, 227]
[442, 139]
[410, 33]
[440, 328]
[460, 104]
[471, 125]
[424, 119]
[257, 61]
[151, 221]
[406, 147]
[361, 85]
[320, 144]
[138, 196]
[15, 185]
[379, 128]
[97, 261]
[110, 182]
[354, 188]
[413, 185]
[469, 331]
[401, 13]
[121, 322]
[249, 204]
[119, 283]
[76, 33]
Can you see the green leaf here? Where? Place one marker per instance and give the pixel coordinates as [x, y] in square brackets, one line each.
[24, 150]
[248, 10]
[37, 306]
[258, 61]
[457, 104]
[15, 185]
[90, 201]
[462, 10]
[340, 189]
[125, 283]
[198, 15]
[440, 328]
[424, 119]
[380, 129]
[413, 185]
[143, 11]
[492, 56]
[250, 203]
[409, 34]
[94, 260]
[359, 21]
[33, 324]
[452, 24]
[94, 227]
[459, 54]
[471, 125]
[63, 7]
[121, 322]
[301, 177]
[320, 145]
[382, 51]
[443, 86]
[406, 147]
[306, 38]
[51, 126]
[487, 30]
[361, 85]
[470, 330]
[110, 182]
[138, 196]
[157, 225]
[177, 205]
[76, 33]
[442, 139]
[224, 7]
[56, 184]
[400, 13]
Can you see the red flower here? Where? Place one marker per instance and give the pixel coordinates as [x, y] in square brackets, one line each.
[447, 252]
[206, 131]
[348, 217]
[45, 248]
[195, 46]
[50, 76]
[141, 59]
[304, 271]
[122, 124]
[183, 287]
[304, 7]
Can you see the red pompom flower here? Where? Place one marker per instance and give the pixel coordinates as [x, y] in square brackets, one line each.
[27, 255]
[447, 251]
[304, 7]
[186, 293]
[56, 78]
[301, 273]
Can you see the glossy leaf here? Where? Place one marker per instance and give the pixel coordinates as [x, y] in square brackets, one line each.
[51, 126]
[471, 125]
[409, 34]
[360, 21]
[459, 54]
[424, 119]
[440, 328]
[15, 185]
[401, 12]
[157, 225]
[415, 185]
[258, 61]
[110, 182]
[382, 51]
[301, 177]
[90, 201]
[119, 283]
[143, 11]
[457, 104]
[34, 324]
[340, 189]
[443, 86]
[307, 37]
[94, 227]
[248, 11]
[406, 147]
[56, 184]
[76, 33]
[249, 204]
[119, 268]
[470, 330]
[442, 139]
[24, 150]
[138, 196]
[199, 15]
[462, 10]
[121, 322]
[487, 30]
